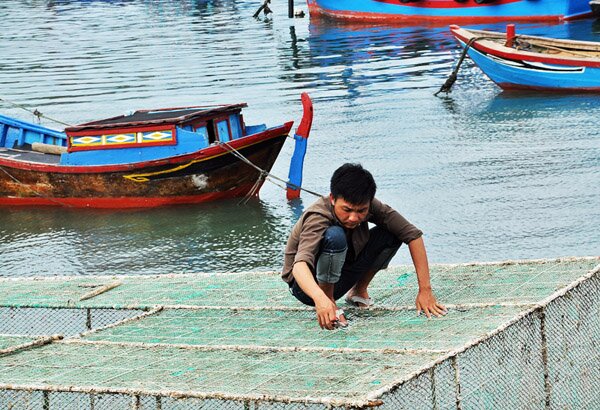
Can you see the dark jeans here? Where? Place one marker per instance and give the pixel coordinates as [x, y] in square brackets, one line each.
[376, 255]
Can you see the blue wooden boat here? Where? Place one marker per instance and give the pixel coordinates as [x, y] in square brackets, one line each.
[145, 159]
[534, 63]
[450, 11]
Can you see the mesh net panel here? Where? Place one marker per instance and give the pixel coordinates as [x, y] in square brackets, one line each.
[240, 341]
[33, 321]
[505, 371]
[21, 400]
[8, 341]
[414, 394]
[433, 389]
[76, 401]
[368, 329]
[445, 389]
[48, 292]
[231, 373]
[573, 338]
[66, 321]
[518, 283]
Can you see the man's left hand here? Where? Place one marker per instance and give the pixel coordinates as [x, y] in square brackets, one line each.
[427, 303]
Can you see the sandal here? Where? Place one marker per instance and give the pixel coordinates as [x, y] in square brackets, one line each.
[359, 302]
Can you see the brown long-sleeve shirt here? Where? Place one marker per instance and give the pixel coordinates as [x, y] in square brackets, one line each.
[305, 238]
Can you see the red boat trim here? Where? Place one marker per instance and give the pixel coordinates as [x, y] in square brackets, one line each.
[448, 4]
[359, 16]
[307, 117]
[127, 202]
[203, 154]
[525, 56]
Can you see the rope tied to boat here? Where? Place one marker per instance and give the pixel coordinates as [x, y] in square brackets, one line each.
[254, 190]
[447, 86]
[264, 175]
[38, 114]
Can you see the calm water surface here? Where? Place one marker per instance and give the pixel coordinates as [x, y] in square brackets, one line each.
[487, 175]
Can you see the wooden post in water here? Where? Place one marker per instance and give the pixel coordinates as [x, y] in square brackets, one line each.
[291, 9]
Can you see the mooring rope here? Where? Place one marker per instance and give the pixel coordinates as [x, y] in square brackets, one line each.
[447, 86]
[35, 112]
[266, 174]
[264, 7]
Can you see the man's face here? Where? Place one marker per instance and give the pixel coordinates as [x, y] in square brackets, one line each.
[349, 215]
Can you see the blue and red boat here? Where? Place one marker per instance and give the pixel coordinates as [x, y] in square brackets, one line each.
[520, 62]
[450, 11]
[145, 159]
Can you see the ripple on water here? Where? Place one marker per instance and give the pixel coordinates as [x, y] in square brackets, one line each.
[486, 175]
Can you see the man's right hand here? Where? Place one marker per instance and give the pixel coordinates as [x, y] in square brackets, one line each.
[326, 309]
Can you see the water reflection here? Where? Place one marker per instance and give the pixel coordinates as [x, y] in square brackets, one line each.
[375, 59]
[227, 236]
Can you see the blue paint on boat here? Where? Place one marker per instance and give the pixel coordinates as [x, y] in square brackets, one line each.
[255, 129]
[297, 162]
[535, 76]
[16, 133]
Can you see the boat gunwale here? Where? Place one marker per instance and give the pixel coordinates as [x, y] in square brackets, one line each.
[494, 48]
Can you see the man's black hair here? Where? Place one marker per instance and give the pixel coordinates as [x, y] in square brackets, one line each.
[353, 183]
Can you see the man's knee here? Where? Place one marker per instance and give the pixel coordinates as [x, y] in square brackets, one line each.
[332, 256]
[334, 240]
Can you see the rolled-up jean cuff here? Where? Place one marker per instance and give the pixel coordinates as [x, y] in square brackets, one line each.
[384, 258]
[329, 266]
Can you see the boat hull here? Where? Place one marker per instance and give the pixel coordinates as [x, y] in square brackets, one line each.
[514, 70]
[518, 74]
[450, 11]
[213, 173]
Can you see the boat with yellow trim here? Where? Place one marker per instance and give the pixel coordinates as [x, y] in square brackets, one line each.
[145, 159]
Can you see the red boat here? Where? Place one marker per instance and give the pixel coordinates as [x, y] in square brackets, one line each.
[449, 11]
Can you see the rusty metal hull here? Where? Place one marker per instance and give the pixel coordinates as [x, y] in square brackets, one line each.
[210, 174]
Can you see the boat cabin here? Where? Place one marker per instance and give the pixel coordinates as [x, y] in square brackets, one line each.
[152, 134]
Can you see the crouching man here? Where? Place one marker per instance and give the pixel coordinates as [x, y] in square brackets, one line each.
[331, 252]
